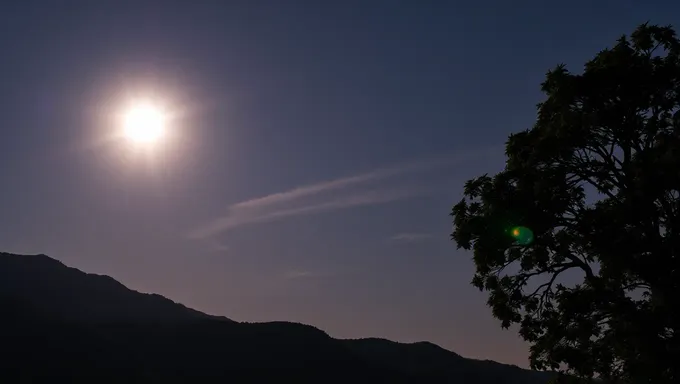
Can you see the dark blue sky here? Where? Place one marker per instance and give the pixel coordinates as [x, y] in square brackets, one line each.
[359, 119]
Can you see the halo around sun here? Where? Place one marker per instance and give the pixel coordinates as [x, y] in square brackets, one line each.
[144, 123]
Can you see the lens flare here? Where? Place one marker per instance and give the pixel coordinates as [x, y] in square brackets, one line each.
[523, 235]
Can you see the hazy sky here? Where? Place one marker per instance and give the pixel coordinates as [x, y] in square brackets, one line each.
[315, 152]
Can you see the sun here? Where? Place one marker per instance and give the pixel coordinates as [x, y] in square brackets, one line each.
[144, 123]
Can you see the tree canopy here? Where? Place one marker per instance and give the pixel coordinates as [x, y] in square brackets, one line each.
[596, 180]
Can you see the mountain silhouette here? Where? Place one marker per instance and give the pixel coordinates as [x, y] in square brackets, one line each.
[61, 291]
[58, 322]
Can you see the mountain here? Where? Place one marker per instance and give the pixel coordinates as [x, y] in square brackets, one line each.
[435, 364]
[61, 291]
[60, 323]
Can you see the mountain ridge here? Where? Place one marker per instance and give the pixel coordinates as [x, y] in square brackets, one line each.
[46, 270]
[149, 334]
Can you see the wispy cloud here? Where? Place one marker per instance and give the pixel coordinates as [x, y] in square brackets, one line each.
[304, 273]
[219, 247]
[236, 218]
[301, 200]
[299, 274]
[331, 185]
[410, 237]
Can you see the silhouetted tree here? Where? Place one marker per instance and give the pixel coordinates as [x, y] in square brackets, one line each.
[596, 289]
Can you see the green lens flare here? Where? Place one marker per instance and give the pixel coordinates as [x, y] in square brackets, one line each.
[523, 235]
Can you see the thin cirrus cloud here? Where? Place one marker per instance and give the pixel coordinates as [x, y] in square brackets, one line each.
[237, 218]
[302, 200]
[345, 182]
[219, 247]
[298, 274]
[411, 237]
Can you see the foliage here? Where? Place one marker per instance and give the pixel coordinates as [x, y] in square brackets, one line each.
[597, 179]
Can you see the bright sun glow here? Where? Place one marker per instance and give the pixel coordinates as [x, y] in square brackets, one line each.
[144, 123]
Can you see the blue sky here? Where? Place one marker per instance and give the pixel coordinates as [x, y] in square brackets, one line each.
[316, 150]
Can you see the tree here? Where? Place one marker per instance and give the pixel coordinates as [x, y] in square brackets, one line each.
[596, 289]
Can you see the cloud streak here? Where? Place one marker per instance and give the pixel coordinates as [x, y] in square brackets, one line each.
[236, 219]
[299, 201]
[299, 274]
[327, 186]
[411, 237]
